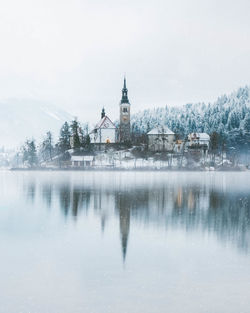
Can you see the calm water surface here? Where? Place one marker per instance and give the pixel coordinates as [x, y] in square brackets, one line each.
[113, 242]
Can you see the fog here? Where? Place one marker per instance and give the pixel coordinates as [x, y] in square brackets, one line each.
[74, 53]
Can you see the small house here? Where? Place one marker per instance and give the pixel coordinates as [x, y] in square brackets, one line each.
[199, 140]
[82, 160]
[161, 139]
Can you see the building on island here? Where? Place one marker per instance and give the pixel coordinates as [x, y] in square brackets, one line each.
[198, 140]
[124, 130]
[82, 160]
[161, 139]
[179, 146]
[105, 131]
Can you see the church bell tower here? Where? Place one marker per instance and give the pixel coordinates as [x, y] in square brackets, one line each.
[124, 115]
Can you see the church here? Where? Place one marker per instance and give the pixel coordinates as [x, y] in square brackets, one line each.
[124, 131]
[106, 132]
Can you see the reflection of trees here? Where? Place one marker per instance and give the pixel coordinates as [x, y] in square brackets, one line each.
[226, 215]
[31, 190]
[80, 201]
[192, 207]
[64, 198]
[47, 194]
[103, 204]
[71, 199]
[76, 202]
[229, 217]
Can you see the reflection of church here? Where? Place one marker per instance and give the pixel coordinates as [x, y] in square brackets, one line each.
[105, 131]
[183, 203]
[123, 207]
[105, 203]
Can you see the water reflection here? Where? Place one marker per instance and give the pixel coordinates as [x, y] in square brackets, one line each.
[47, 194]
[194, 206]
[64, 196]
[124, 205]
[30, 190]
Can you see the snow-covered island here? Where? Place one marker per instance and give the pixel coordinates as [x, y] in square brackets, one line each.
[213, 136]
[162, 151]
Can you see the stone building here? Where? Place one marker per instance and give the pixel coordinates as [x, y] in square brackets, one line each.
[161, 139]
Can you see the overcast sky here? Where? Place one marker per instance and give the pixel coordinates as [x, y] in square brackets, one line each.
[74, 53]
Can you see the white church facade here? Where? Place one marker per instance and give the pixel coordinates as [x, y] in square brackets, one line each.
[105, 131]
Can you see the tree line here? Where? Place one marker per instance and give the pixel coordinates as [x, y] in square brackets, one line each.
[227, 121]
[72, 135]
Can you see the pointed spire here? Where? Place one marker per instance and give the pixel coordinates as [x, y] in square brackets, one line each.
[124, 92]
[103, 113]
[124, 84]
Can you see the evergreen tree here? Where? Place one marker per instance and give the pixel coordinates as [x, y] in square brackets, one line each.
[86, 142]
[246, 131]
[214, 144]
[228, 116]
[47, 147]
[246, 123]
[64, 139]
[75, 134]
[30, 153]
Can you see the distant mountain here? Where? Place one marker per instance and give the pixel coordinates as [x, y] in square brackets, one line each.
[22, 119]
[229, 116]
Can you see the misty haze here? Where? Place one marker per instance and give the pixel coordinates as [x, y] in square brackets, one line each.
[102, 242]
[124, 156]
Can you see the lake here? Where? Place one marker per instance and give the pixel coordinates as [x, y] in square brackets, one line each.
[124, 242]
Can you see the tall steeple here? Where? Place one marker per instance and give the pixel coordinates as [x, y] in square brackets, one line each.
[124, 92]
[124, 115]
[103, 113]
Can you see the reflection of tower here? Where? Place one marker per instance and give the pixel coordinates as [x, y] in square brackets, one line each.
[124, 230]
[124, 115]
[123, 204]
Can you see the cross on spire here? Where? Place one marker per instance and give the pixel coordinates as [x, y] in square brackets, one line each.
[124, 92]
[103, 113]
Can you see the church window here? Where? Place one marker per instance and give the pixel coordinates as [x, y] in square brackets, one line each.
[125, 110]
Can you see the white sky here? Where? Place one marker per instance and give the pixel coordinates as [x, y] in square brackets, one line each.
[74, 53]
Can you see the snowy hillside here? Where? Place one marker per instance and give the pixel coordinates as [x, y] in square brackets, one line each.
[229, 116]
[22, 119]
